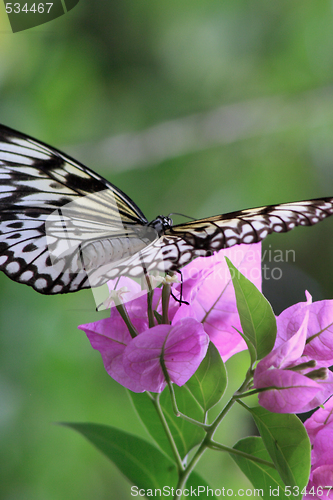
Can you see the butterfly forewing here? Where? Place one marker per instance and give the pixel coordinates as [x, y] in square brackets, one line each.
[36, 182]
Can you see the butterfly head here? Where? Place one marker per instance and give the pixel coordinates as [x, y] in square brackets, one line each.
[161, 223]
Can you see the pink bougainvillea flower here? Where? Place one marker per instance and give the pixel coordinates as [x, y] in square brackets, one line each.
[320, 429]
[136, 363]
[293, 386]
[208, 288]
[211, 314]
[319, 341]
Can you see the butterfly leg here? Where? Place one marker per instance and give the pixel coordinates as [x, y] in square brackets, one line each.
[181, 301]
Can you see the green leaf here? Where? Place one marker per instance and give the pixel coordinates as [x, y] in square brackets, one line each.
[287, 443]
[148, 415]
[196, 481]
[185, 434]
[143, 464]
[255, 312]
[209, 382]
[251, 348]
[265, 479]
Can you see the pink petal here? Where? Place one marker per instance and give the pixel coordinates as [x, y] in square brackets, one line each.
[322, 447]
[290, 320]
[320, 328]
[321, 476]
[208, 287]
[326, 390]
[292, 393]
[286, 354]
[320, 419]
[181, 346]
[110, 338]
[320, 332]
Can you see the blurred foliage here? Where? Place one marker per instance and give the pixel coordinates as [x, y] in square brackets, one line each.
[113, 68]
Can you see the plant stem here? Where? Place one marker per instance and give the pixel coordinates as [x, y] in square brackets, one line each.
[156, 403]
[151, 319]
[183, 477]
[213, 445]
[166, 290]
[207, 442]
[255, 391]
[123, 313]
[178, 413]
[230, 404]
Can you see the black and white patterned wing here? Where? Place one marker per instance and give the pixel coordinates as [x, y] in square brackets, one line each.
[167, 253]
[206, 236]
[36, 183]
[183, 242]
[64, 228]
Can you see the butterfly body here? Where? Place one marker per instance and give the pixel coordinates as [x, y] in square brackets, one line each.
[99, 253]
[64, 228]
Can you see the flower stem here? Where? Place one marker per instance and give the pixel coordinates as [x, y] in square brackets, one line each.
[151, 318]
[166, 290]
[123, 313]
[254, 391]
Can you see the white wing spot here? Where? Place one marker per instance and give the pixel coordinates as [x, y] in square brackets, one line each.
[13, 267]
[216, 243]
[26, 276]
[136, 271]
[230, 242]
[248, 238]
[40, 283]
[258, 224]
[228, 233]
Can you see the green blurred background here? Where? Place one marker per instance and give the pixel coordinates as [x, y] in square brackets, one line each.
[199, 107]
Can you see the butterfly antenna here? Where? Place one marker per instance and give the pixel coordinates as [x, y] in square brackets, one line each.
[181, 215]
